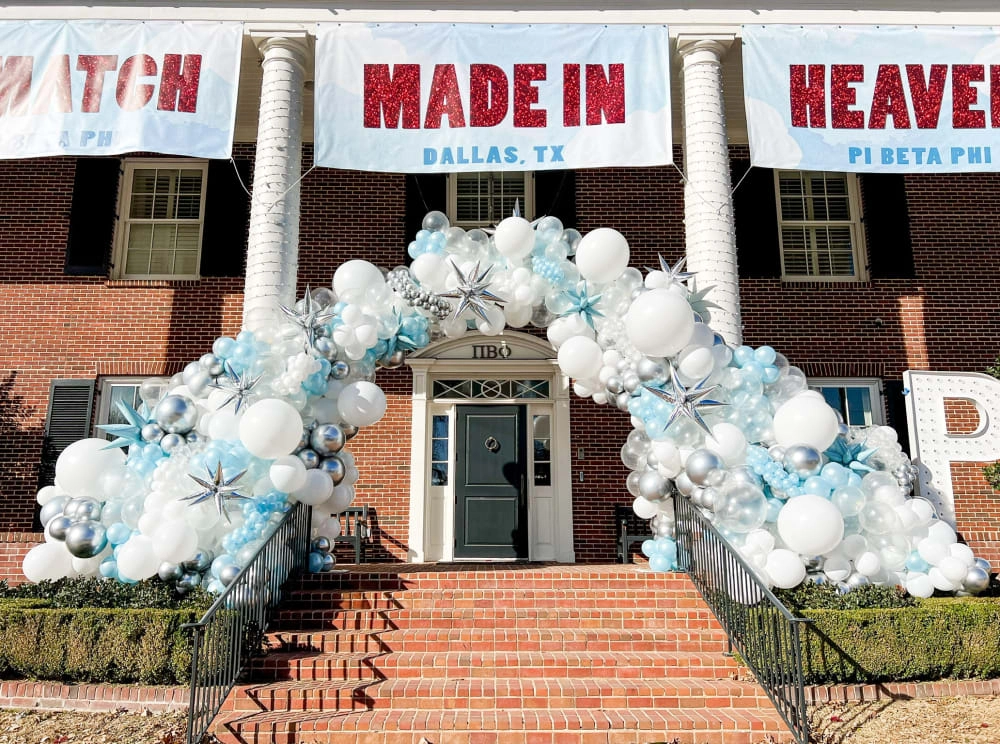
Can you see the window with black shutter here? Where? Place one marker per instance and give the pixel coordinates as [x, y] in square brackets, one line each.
[227, 218]
[92, 216]
[424, 193]
[71, 403]
[758, 250]
[555, 195]
[887, 226]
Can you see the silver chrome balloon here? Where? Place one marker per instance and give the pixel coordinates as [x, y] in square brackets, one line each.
[329, 562]
[340, 370]
[228, 574]
[683, 484]
[88, 509]
[803, 460]
[614, 385]
[176, 414]
[151, 433]
[776, 452]
[334, 467]
[201, 562]
[170, 442]
[652, 486]
[709, 497]
[350, 430]
[59, 526]
[983, 564]
[322, 544]
[649, 370]
[631, 382]
[211, 364]
[309, 458]
[71, 506]
[976, 580]
[327, 439]
[169, 571]
[188, 581]
[700, 463]
[192, 437]
[86, 539]
[53, 508]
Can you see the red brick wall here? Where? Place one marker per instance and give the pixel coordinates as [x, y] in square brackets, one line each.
[13, 547]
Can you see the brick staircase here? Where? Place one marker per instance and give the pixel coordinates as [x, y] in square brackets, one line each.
[496, 654]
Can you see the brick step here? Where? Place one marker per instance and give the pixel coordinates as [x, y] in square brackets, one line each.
[500, 694]
[567, 726]
[497, 665]
[501, 639]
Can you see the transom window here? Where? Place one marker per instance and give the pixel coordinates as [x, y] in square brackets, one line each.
[162, 211]
[491, 389]
[859, 400]
[819, 225]
[483, 199]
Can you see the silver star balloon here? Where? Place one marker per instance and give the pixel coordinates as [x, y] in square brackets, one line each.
[130, 433]
[219, 488]
[310, 318]
[675, 273]
[686, 402]
[473, 292]
[239, 386]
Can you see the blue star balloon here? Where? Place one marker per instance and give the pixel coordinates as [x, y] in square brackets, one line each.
[130, 433]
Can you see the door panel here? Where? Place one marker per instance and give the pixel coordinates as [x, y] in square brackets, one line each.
[491, 502]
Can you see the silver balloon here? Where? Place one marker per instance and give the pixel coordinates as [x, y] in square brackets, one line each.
[59, 526]
[631, 382]
[394, 360]
[169, 571]
[211, 364]
[200, 563]
[684, 484]
[192, 437]
[622, 400]
[86, 539]
[614, 385]
[983, 564]
[322, 544]
[329, 562]
[309, 458]
[817, 578]
[350, 430]
[648, 370]
[327, 348]
[976, 580]
[814, 563]
[88, 509]
[700, 463]
[176, 414]
[856, 579]
[803, 460]
[327, 439]
[151, 433]
[188, 581]
[743, 475]
[709, 497]
[716, 477]
[71, 506]
[228, 574]
[776, 452]
[170, 442]
[334, 467]
[199, 383]
[53, 508]
[304, 439]
[652, 486]
[340, 370]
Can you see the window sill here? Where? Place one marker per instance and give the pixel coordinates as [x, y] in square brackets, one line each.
[151, 283]
[824, 282]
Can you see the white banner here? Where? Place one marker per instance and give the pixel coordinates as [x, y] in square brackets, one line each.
[109, 87]
[873, 98]
[424, 98]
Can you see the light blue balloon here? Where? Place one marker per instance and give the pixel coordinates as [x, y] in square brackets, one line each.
[648, 548]
[835, 473]
[818, 486]
[765, 355]
[773, 507]
[109, 568]
[118, 533]
[659, 563]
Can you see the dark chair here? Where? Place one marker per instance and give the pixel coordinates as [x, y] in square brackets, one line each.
[629, 531]
[354, 530]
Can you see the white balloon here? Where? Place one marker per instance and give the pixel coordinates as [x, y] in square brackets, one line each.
[940, 581]
[919, 585]
[645, 509]
[271, 428]
[963, 553]
[942, 532]
[728, 442]
[668, 457]
[356, 275]
[659, 323]
[175, 541]
[343, 497]
[837, 568]
[47, 562]
[430, 270]
[565, 328]
[331, 528]
[602, 255]
[954, 569]
[287, 473]
[515, 238]
[810, 525]
[932, 551]
[46, 494]
[580, 357]
[316, 488]
[806, 418]
[695, 363]
[361, 403]
[868, 563]
[852, 546]
[136, 559]
[82, 463]
[785, 568]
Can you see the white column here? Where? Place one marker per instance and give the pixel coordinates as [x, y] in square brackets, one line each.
[272, 250]
[708, 203]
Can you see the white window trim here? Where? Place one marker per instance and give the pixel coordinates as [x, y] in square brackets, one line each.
[527, 206]
[874, 385]
[124, 203]
[104, 399]
[855, 224]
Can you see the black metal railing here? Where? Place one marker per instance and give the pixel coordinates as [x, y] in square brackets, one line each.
[232, 629]
[761, 629]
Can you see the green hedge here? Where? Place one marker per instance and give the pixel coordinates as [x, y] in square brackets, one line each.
[937, 639]
[146, 646]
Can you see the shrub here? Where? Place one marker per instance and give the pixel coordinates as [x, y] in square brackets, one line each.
[828, 597]
[88, 592]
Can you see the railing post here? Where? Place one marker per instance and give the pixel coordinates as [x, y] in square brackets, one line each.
[192, 703]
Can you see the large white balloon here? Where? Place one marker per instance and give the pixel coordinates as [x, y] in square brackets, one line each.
[602, 255]
[287, 473]
[806, 418]
[175, 541]
[659, 323]
[316, 488]
[47, 562]
[810, 525]
[515, 238]
[81, 465]
[356, 275]
[137, 559]
[271, 428]
[361, 403]
[785, 568]
[580, 357]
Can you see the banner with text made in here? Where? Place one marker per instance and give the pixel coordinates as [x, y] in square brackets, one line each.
[109, 87]
[900, 99]
[416, 98]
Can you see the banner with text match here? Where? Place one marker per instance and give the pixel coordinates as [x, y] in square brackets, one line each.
[864, 98]
[426, 98]
[109, 87]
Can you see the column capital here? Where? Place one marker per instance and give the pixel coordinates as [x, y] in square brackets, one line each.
[295, 44]
[716, 44]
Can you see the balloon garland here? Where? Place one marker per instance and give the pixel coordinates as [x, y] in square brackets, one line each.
[218, 453]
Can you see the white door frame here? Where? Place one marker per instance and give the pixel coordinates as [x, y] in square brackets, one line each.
[550, 508]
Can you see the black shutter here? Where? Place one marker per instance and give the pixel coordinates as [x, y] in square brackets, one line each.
[555, 195]
[71, 403]
[758, 252]
[92, 215]
[227, 218]
[887, 226]
[895, 411]
[424, 193]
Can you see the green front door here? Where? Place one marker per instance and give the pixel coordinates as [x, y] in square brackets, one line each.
[490, 496]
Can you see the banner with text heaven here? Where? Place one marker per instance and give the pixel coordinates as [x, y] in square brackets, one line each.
[899, 99]
[476, 97]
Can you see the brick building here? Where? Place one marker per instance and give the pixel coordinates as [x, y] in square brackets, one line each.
[913, 285]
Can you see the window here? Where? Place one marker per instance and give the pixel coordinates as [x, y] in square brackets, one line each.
[162, 211]
[819, 225]
[483, 199]
[541, 434]
[114, 389]
[439, 451]
[859, 400]
[497, 389]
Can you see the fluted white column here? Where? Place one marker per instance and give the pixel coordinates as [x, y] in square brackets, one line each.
[708, 203]
[273, 245]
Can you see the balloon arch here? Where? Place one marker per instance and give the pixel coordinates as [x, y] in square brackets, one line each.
[219, 452]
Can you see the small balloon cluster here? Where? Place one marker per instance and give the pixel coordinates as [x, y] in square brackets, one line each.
[218, 453]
